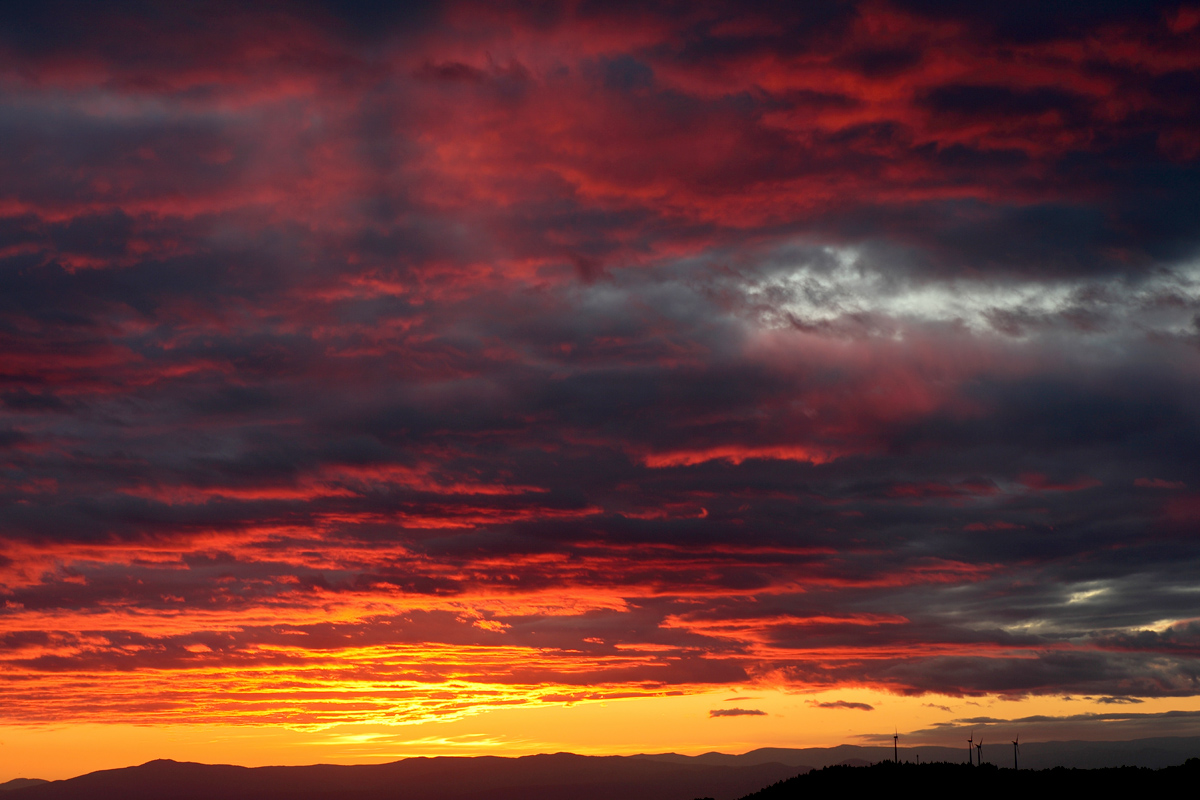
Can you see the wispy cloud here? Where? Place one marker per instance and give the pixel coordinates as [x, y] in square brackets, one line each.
[736, 712]
[845, 704]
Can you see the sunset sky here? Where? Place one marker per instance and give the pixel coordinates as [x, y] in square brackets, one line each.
[383, 380]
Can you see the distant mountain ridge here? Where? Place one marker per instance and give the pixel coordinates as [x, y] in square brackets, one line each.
[1153, 753]
[562, 776]
[540, 777]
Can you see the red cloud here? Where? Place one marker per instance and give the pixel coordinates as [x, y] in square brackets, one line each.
[499, 354]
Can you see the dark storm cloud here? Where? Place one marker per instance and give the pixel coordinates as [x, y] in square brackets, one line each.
[975, 101]
[1114, 726]
[1026, 20]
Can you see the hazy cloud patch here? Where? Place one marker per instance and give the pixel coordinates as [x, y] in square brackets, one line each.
[736, 712]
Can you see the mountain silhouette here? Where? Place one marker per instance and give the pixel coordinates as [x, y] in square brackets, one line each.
[784, 772]
[1154, 753]
[561, 775]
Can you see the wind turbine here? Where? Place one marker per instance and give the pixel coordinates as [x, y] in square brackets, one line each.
[896, 746]
[969, 740]
[979, 750]
[1016, 748]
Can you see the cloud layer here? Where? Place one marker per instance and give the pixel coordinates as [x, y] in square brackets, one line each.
[373, 365]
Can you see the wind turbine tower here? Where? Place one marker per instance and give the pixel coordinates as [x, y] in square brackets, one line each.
[896, 747]
[969, 740]
[1016, 748]
[979, 752]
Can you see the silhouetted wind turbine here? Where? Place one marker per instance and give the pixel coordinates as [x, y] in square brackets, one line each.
[896, 746]
[1015, 749]
[970, 739]
[979, 750]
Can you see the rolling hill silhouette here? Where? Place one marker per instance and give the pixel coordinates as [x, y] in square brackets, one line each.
[989, 781]
[561, 775]
[1154, 753]
[786, 774]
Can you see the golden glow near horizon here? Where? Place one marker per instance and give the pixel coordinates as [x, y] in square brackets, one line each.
[680, 723]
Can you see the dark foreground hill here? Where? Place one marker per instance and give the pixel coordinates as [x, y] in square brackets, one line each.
[988, 781]
[561, 776]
